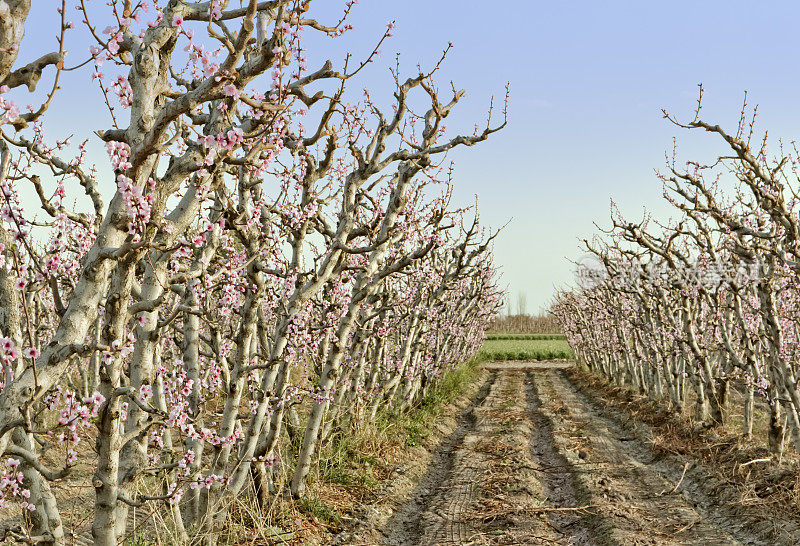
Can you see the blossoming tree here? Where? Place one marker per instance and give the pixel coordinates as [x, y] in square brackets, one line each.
[707, 298]
[275, 263]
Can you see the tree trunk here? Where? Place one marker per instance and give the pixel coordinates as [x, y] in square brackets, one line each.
[749, 404]
[775, 433]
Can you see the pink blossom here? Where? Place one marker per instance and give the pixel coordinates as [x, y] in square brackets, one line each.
[230, 90]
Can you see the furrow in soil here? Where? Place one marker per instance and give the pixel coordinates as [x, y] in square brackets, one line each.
[635, 497]
[434, 515]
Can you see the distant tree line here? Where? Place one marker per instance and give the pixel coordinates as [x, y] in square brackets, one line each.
[525, 324]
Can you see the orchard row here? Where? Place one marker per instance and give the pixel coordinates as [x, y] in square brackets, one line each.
[276, 264]
[706, 304]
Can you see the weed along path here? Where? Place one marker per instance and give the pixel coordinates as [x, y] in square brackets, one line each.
[532, 460]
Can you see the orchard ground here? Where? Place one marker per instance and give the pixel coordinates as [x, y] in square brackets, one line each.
[535, 452]
[544, 453]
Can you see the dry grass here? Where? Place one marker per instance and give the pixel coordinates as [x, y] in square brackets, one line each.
[352, 466]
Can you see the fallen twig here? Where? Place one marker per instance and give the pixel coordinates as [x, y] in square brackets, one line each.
[564, 508]
[764, 460]
[677, 485]
[685, 527]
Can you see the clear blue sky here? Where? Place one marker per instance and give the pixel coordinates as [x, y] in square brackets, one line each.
[588, 81]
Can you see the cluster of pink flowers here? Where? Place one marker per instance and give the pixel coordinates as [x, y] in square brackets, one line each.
[124, 91]
[226, 141]
[137, 205]
[11, 481]
[119, 153]
[9, 111]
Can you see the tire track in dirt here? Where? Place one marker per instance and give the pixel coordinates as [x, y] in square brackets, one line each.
[639, 499]
[557, 477]
[481, 487]
[435, 512]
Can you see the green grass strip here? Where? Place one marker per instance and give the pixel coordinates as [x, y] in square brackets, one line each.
[525, 349]
[496, 337]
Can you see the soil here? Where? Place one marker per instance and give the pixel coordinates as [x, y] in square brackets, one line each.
[531, 459]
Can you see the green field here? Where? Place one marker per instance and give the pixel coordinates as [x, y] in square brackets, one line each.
[497, 336]
[525, 349]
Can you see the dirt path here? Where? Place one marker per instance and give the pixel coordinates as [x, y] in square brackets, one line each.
[533, 461]
[484, 463]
